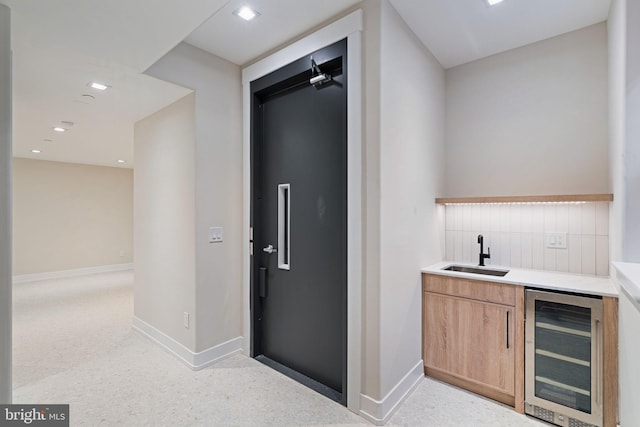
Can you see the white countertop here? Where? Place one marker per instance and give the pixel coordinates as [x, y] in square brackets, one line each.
[628, 275]
[551, 280]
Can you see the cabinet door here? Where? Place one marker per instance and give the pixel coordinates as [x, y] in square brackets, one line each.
[471, 341]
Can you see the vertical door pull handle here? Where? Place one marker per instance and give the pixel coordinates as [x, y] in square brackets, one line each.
[284, 226]
[507, 329]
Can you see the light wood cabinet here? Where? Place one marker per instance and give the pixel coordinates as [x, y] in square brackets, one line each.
[473, 336]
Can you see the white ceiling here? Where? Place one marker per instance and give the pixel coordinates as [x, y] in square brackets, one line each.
[59, 46]
[460, 31]
[239, 41]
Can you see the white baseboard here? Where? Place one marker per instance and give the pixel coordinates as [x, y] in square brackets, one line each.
[26, 278]
[379, 411]
[195, 361]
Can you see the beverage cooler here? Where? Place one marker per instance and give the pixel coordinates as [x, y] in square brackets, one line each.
[563, 358]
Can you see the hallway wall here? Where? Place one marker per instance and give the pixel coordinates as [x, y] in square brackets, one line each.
[217, 169]
[164, 219]
[5, 204]
[70, 216]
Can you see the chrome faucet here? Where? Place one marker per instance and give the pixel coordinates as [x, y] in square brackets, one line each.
[482, 255]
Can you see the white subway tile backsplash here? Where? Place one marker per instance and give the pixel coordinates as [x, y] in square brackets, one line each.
[495, 217]
[515, 233]
[485, 214]
[449, 246]
[449, 217]
[574, 248]
[505, 249]
[457, 246]
[476, 217]
[505, 218]
[562, 218]
[527, 250]
[515, 219]
[537, 215]
[550, 218]
[466, 217]
[526, 222]
[588, 219]
[467, 239]
[458, 217]
[562, 260]
[589, 254]
[602, 219]
[537, 253]
[575, 219]
[549, 259]
[516, 250]
[602, 255]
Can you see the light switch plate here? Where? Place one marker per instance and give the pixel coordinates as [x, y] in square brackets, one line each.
[215, 234]
[556, 240]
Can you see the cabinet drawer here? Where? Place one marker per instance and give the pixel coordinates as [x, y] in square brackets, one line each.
[467, 288]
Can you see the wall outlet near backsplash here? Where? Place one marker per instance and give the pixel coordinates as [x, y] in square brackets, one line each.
[568, 237]
[556, 240]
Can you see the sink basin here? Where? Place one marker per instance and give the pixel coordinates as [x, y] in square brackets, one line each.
[476, 270]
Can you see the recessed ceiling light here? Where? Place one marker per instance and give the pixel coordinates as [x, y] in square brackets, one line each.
[99, 86]
[122, 161]
[246, 13]
[59, 129]
[493, 2]
[36, 151]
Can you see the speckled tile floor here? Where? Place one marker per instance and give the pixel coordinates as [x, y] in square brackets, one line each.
[73, 343]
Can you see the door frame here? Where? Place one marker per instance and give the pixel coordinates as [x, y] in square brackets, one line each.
[349, 27]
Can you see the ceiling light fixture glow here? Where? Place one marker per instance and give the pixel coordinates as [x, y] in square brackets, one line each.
[36, 151]
[246, 13]
[122, 161]
[98, 86]
[493, 2]
[59, 129]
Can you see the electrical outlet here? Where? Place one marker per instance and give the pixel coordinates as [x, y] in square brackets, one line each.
[185, 320]
[556, 240]
[121, 252]
[215, 234]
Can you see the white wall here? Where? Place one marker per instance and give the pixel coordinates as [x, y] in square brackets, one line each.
[165, 219]
[218, 188]
[5, 204]
[532, 120]
[616, 31]
[412, 136]
[624, 106]
[69, 216]
[403, 176]
[632, 135]
[371, 368]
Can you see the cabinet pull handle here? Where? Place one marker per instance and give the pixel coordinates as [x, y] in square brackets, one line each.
[598, 363]
[507, 329]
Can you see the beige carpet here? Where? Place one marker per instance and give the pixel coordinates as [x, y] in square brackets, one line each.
[73, 343]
